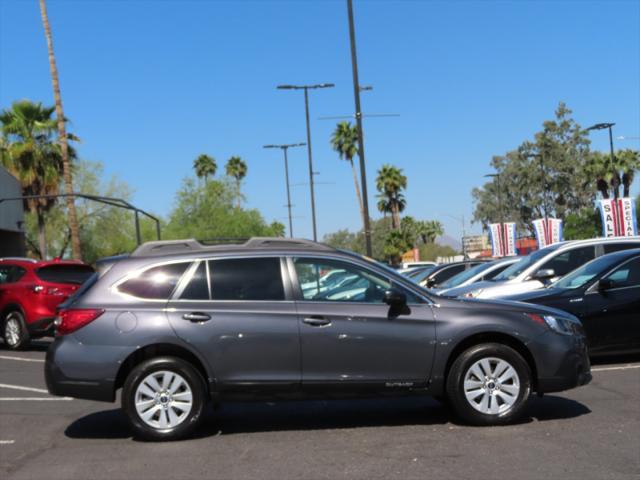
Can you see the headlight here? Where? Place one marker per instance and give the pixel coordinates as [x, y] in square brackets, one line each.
[556, 323]
[473, 293]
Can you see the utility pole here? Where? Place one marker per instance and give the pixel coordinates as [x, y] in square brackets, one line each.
[285, 148]
[615, 179]
[311, 172]
[356, 94]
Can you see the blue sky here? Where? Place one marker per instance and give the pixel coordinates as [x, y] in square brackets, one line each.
[149, 85]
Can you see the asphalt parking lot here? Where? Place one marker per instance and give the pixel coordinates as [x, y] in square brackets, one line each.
[589, 433]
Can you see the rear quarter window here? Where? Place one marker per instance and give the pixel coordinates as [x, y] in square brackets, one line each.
[75, 274]
[156, 283]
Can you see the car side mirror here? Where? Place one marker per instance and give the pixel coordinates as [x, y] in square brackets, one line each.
[395, 298]
[544, 274]
[605, 284]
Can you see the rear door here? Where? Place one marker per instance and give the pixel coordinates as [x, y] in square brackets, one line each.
[350, 339]
[237, 312]
[612, 317]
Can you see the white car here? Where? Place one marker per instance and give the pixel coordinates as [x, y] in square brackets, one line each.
[479, 273]
[544, 266]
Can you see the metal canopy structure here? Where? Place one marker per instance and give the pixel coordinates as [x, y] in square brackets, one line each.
[115, 202]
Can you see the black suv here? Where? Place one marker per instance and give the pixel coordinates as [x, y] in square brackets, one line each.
[180, 323]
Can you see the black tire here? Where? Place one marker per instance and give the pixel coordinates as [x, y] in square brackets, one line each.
[195, 383]
[12, 321]
[458, 398]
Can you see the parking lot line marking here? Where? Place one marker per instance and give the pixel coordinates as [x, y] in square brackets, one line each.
[26, 389]
[19, 359]
[605, 369]
[7, 442]
[36, 399]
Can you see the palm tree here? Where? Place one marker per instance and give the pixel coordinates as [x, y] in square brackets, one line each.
[390, 182]
[236, 168]
[31, 155]
[204, 166]
[429, 230]
[62, 137]
[628, 163]
[345, 141]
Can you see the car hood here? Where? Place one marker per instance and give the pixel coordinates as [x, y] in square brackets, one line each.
[542, 293]
[480, 305]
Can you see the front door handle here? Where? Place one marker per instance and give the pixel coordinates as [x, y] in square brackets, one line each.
[317, 321]
[196, 317]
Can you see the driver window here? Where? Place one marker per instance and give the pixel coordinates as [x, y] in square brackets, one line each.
[628, 275]
[331, 281]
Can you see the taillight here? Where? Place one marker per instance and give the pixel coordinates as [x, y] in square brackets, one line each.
[70, 320]
[42, 290]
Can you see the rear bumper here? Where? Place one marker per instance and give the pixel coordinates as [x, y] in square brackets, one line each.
[565, 362]
[79, 381]
[42, 328]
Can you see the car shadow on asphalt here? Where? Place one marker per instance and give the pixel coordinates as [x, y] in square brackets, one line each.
[238, 418]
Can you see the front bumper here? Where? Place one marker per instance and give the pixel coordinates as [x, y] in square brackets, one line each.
[563, 362]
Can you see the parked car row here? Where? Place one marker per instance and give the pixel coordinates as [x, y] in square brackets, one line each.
[596, 280]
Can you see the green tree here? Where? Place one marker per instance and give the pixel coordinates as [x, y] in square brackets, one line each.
[207, 212]
[390, 182]
[548, 170]
[32, 155]
[582, 225]
[205, 166]
[344, 140]
[628, 164]
[66, 154]
[237, 169]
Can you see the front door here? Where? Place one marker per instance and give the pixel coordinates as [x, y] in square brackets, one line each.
[235, 312]
[350, 338]
[612, 316]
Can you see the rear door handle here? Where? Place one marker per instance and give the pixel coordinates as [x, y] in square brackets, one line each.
[317, 321]
[196, 317]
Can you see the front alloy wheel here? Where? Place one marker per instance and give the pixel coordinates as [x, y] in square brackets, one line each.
[489, 384]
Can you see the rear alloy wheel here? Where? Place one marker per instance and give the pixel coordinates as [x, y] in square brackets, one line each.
[489, 384]
[14, 331]
[164, 398]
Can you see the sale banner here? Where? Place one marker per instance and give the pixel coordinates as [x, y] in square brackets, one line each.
[503, 239]
[549, 232]
[618, 217]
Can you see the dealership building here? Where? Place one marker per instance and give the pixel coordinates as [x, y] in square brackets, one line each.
[11, 216]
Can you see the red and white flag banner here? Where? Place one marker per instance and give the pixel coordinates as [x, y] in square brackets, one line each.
[618, 217]
[503, 239]
[549, 232]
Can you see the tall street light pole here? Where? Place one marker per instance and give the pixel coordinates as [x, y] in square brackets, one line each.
[311, 172]
[285, 148]
[602, 126]
[356, 95]
[497, 177]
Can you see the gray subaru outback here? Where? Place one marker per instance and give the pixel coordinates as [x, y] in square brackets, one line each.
[178, 324]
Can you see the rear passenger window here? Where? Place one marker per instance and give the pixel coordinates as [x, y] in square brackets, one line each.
[10, 273]
[246, 279]
[155, 283]
[198, 288]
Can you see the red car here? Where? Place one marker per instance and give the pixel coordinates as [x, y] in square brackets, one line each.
[30, 291]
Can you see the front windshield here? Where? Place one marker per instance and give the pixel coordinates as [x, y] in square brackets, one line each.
[465, 275]
[520, 266]
[421, 272]
[585, 273]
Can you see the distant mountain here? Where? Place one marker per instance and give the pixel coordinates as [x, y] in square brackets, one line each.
[449, 241]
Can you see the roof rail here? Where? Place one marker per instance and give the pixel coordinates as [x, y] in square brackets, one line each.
[21, 259]
[168, 247]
